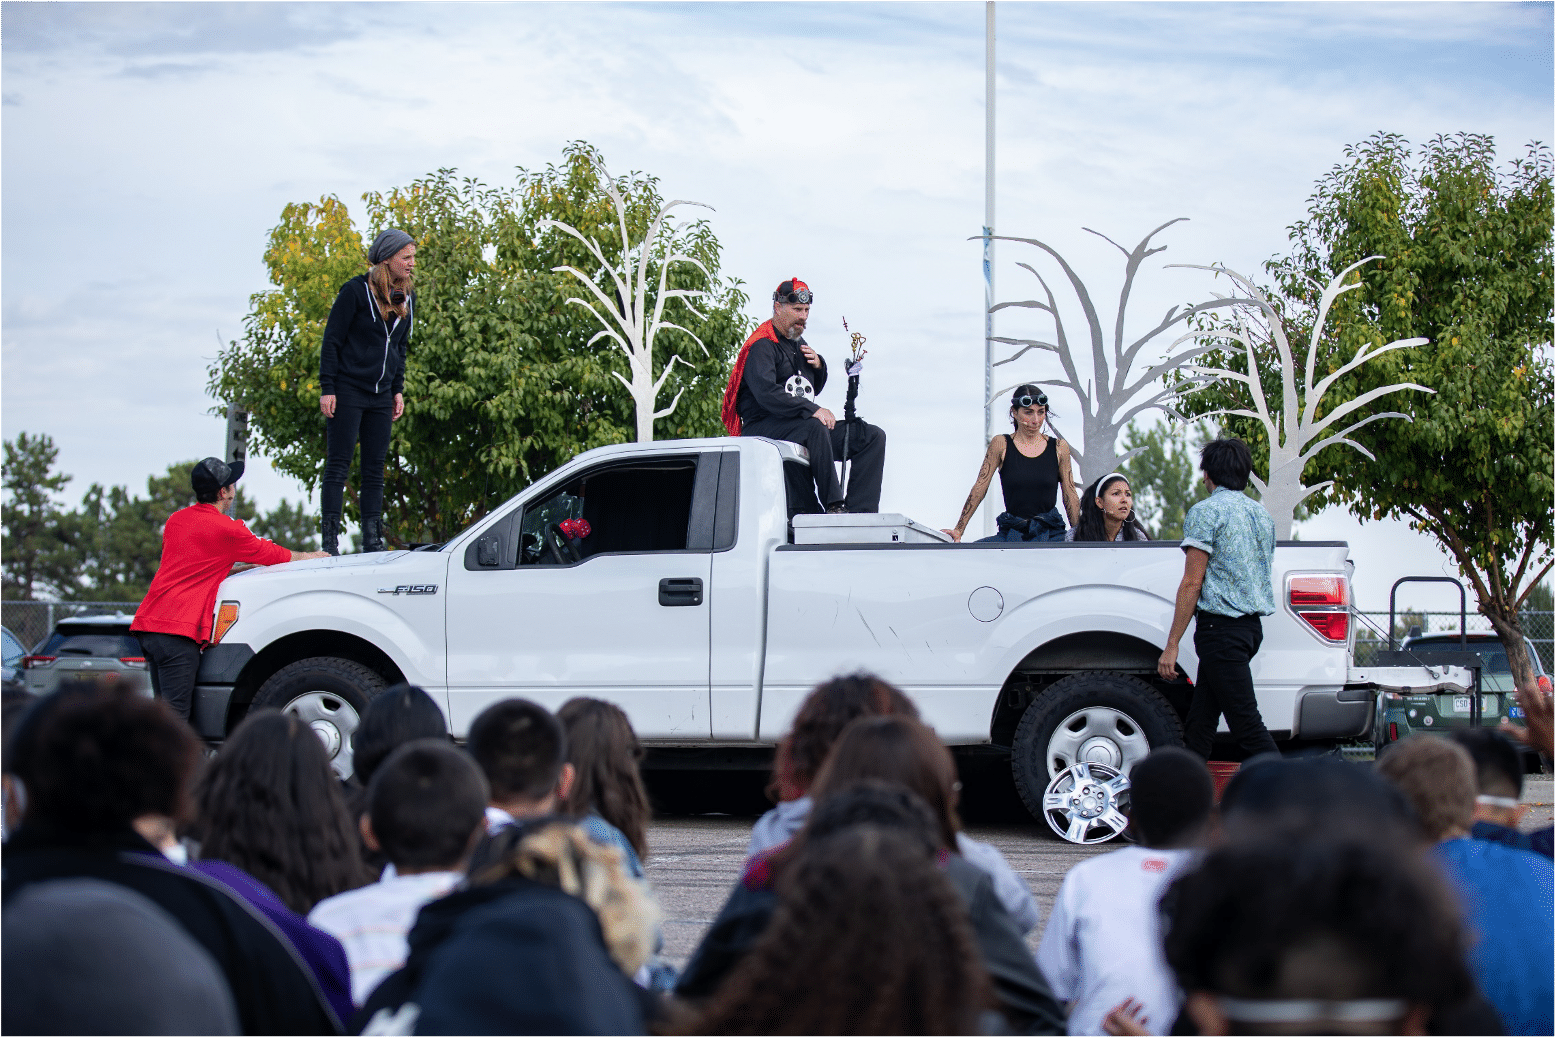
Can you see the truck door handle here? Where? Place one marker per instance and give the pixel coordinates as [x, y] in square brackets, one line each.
[687, 591]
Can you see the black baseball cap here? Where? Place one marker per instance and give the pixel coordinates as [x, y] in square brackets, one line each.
[213, 473]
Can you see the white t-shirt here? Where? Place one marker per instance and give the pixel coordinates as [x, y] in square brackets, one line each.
[371, 923]
[1103, 942]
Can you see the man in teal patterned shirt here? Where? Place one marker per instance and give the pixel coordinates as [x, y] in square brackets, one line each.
[1228, 546]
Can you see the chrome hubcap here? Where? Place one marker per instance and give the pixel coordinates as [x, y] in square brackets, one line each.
[1097, 735]
[1086, 803]
[333, 720]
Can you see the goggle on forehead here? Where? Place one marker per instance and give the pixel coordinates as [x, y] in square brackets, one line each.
[1028, 400]
[799, 298]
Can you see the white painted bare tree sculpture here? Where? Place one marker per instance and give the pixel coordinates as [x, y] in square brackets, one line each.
[1118, 387]
[1296, 432]
[630, 307]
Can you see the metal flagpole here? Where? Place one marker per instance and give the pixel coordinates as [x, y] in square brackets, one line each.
[988, 251]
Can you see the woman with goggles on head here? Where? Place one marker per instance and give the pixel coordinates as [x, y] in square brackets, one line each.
[1108, 512]
[1034, 470]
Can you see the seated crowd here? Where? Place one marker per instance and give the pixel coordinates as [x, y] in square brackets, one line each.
[500, 887]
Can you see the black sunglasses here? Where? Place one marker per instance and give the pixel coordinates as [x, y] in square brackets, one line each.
[801, 297]
[1029, 400]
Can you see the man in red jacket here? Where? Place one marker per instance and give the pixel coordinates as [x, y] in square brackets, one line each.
[200, 544]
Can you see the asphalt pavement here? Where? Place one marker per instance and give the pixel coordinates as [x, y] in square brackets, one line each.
[694, 859]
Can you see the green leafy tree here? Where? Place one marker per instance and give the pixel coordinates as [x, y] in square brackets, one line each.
[1467, 264]
[1164, 475]
[41, 540]
[292, 527]
[505, 381]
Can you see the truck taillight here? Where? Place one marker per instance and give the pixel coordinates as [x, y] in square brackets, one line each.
[226, 615]
[1323, 601]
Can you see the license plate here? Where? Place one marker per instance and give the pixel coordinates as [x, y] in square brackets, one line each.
[1516, 712]
[1461, 703]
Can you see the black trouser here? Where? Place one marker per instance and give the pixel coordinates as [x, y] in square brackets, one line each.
[368, 416]
[173, 662]
[1225, 646]
[866, 454]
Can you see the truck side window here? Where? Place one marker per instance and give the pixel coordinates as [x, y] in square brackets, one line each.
[629, 508]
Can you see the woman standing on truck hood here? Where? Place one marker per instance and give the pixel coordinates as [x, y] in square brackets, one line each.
[362, 380]
[1034, 469]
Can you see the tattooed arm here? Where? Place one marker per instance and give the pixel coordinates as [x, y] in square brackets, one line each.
[992, 459]
[1072, 499]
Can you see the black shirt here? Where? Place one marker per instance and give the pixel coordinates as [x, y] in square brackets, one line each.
[778, 382]
[362, 349]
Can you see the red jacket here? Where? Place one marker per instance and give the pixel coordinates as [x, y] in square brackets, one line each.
[199, 545]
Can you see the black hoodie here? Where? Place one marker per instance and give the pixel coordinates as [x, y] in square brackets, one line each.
[514, 956]
[361, 349]
[273, 989]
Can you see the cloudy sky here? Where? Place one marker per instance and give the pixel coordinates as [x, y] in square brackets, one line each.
[149, 148]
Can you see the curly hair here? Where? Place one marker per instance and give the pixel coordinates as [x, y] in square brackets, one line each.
[270, 805]
[870, 937]
[896, 749]
[604, 752]
[1327, 919]
[821, 718]
[94, 758]
[1092, 524]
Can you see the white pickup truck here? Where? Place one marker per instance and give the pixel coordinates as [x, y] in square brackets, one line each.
[691, 605]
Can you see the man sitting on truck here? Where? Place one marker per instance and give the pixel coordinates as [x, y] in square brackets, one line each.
[772, 393]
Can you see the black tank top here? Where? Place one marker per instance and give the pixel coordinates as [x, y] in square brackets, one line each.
[1031, 484]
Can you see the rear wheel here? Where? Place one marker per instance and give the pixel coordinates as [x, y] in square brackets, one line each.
[1098, 718]
[329, 695]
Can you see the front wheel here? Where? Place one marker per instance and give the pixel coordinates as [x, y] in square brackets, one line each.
[330, 696]
[1098, 718]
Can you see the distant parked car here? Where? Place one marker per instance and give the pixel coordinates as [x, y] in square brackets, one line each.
[87, 648]
[1404, 715]
[11, 660]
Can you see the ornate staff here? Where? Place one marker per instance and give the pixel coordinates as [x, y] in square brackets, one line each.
[853, 367]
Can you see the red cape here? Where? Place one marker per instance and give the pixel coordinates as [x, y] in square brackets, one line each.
[732, 391]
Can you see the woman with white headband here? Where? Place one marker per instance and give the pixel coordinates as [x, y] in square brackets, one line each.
[1034, 471]
[1108, 512]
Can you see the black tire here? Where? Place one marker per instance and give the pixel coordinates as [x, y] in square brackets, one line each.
[329, 694]
[1144, 709]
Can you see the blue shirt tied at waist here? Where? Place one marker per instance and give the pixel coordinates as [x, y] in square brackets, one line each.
[1239, 536]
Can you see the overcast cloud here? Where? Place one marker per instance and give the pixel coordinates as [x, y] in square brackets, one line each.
[149, 148]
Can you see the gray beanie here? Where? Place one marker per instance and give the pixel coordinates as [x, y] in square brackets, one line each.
[387, 244]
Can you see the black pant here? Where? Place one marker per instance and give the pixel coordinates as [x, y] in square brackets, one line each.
[368, 416]
[1226, 645]
[173, 662]
[866, 454]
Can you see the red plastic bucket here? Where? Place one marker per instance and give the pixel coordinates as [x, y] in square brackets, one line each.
[1220, 773]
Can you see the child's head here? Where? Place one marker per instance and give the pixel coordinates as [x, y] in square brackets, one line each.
[425, 807]
[1438, 778]
[1171, 795]
[397, 715]
[821, 718]
[522, 749]
[1499, 776]
[605, 754]
[896, 749]
[1315, 935]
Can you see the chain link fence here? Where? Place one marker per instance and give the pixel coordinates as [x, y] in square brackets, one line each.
[32, 621]
[1372, 630]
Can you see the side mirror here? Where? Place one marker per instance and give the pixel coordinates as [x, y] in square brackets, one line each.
[488, 550]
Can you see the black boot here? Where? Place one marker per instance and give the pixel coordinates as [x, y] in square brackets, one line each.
[372, 534]
[330, 533]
